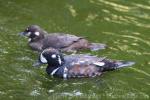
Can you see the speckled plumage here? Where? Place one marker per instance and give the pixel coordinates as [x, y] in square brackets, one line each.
[79, 65]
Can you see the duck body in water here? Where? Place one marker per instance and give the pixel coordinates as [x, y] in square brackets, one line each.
[40, 40]
[77, 65]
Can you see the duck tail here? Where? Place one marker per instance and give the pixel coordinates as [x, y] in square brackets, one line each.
[117, 65]
[121, 64]
[97, 46]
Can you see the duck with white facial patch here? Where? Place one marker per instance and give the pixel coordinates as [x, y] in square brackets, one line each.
[78, 65]
[40, 40]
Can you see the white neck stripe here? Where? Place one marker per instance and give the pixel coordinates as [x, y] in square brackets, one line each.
[54, 71]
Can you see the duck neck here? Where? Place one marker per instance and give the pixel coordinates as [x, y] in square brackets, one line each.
[50, 69]
[55, 65]
[36, 39]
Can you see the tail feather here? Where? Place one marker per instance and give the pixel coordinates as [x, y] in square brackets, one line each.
[97, 46]
[122, 64]
[116, 65]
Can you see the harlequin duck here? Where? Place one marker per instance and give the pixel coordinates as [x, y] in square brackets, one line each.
[40, 40]
[77, 65]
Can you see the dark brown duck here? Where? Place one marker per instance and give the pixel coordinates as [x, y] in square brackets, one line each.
[40, 40]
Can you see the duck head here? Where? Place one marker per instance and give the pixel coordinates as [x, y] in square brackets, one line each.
[33, 32]
[50, 56]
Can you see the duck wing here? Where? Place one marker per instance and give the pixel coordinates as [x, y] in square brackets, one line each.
[88, 66]
[94, 64]
[58, 40]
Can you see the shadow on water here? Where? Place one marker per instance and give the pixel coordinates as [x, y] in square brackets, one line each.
[123, 25]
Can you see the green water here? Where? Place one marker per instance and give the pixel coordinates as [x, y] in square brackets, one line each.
[124, 25]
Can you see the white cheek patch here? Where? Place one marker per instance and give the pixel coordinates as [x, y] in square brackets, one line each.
[37, 33]
[53, 56]
[29, 40]
[43, 59]
[99, 63]
[28, 34]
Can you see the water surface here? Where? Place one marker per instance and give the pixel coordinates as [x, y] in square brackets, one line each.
[122, 24]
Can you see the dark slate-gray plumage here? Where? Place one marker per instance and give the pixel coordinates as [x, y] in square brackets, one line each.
[40, 40]
[78, 65]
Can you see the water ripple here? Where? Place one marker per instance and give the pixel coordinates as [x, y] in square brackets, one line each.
[117, 7]
[72, 10]
[141, 6]
[141, 71]
[130, 36]
[138, 39]
[74, 93]
[35, 93]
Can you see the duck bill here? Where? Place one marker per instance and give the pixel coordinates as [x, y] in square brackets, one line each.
[22, 33]
[37, 64]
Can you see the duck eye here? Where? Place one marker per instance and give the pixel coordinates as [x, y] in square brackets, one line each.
[53, 56]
